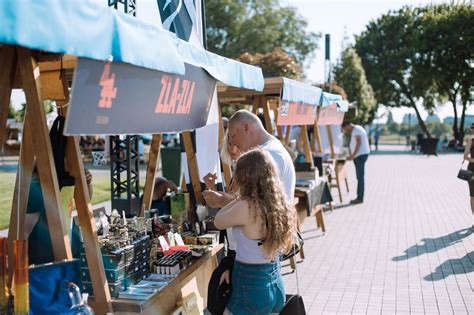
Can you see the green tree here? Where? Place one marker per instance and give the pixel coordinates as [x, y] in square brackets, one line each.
[275, 64]
[238, 26]
[333, 88]
[388, 50]
[446, 49]
[11, 111]
[350, 75]
[20, 113]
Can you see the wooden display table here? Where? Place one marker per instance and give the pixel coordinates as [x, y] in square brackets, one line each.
[193, 279]
[311, 201]
[338, 174]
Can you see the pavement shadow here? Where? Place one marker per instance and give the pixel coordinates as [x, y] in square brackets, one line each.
[344, 205]
[456, 266]
[431, 245]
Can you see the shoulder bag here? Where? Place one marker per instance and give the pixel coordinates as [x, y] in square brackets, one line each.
[465, 174]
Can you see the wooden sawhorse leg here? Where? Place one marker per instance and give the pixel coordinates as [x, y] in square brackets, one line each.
[338, 186]
[319, 218]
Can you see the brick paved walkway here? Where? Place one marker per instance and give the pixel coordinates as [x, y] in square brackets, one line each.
[408, 249]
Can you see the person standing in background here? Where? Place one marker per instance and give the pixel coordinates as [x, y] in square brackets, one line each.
[360, 150]
[469, 156]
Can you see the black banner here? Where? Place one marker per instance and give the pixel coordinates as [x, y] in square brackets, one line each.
[118, 98]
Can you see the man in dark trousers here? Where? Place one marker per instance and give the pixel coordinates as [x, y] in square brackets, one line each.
[360, 150]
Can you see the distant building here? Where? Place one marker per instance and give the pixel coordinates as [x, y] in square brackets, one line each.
[432, 118]
[467, 121]
[409, 119]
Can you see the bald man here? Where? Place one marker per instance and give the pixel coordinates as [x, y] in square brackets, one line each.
[246, 131]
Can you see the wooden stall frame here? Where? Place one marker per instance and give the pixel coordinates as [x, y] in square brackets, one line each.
[337, 167]
[39, 148]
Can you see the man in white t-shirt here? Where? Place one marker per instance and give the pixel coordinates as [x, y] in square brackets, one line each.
[246, 131]
[360, 150]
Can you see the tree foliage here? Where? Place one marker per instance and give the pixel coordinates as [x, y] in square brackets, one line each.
[274, 64]
[389, 51]
[421, 55]
[446, 49]
[238, 26]
[350, 75]
[333, 88]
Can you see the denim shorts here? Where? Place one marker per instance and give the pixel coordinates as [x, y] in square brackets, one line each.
[256, 289]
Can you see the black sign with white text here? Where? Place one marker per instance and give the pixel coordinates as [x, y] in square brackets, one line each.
[119, 98]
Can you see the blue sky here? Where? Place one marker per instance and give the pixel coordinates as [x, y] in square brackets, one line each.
[340, 17]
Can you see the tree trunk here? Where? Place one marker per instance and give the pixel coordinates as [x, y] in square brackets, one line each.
[461, 127]
[421, 122]
[455, 122]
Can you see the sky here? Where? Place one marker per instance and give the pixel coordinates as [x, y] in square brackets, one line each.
[339, 18]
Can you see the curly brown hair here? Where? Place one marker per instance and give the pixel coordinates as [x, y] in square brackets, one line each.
[258, 182]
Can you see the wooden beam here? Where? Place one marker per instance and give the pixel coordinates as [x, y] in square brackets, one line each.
[7, 76]
[316, 134]
[21, 194]
[88, 228]
[193, 167]
[318, 141]
[266, 113]
[307, 147]
[280, 134]
[331, 141]
[256, 104]
[287, 134]
[279, 127]
[51, 85]
[85, 215]
[45, 161]
[153, 160]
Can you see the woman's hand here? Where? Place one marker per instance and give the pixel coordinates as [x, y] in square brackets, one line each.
[225, 276]
[210, 181]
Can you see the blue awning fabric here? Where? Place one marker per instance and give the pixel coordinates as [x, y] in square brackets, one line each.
[226, 70]
[91, 30]
[329, 98]
[298, 92]
[342, 106]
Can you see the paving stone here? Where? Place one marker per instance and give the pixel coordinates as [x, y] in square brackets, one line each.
[408, 248]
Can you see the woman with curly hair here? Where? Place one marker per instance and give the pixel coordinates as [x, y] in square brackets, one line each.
[263, 223]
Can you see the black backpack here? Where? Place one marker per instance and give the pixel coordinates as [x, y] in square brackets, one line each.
[58, 144]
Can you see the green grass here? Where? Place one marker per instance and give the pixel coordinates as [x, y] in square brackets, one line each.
[101, 193]
[7, 182]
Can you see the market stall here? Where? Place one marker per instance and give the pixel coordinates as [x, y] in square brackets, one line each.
[330, 117]
[101, 55]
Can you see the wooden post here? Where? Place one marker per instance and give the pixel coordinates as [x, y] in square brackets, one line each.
[287, 135]
[333, 156]
[193, 167]
[86, 217]
[307, 147]
[317, 137]
[44, 155]
[21, 194]
[280, 133]
[154, 157]
[88, 228]
[331, 141]
[7, 76]
[256, 104]
[266, 113]
[225, 167]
